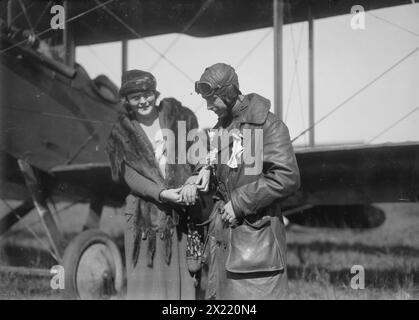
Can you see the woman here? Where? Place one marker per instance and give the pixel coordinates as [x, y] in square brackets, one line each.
[156, 229]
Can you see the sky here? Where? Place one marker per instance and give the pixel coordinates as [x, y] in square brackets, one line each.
[345, 60]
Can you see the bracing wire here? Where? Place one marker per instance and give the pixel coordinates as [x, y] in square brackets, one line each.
[394, 24]
[21, 13]
[386, 21]
[242, 60]
[296, 70]
[25, 13]
[201, 10]
[93, 53]
[59, 211]
[294, 73]
[393, 125]
[59, 116]
[49, 29]
[360, 90]
[135, 33]
[42, 14]
[32, 232]
[253, 49]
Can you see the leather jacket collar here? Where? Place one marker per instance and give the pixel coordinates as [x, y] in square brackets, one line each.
[252, 109]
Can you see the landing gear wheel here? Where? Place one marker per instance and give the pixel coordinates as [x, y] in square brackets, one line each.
[93, 266]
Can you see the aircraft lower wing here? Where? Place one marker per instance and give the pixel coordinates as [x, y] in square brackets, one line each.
[358, 175]
[89, 179]
[329, 176]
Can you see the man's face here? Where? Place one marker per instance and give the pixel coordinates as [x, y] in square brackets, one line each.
[144, 102]
[217, 105]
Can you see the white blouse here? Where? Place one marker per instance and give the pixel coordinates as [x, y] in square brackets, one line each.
[158, 142]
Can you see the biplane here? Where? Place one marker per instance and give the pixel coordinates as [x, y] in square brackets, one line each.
[55, 119]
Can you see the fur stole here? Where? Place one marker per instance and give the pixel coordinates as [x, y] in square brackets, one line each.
[130, 144]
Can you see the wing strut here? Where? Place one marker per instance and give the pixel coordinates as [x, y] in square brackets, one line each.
[278, 8]
[15, 215]
[94, 213]
[311, 73]
[34, 187]
[124, 44]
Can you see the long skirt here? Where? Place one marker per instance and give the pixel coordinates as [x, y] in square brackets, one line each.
[162, 281]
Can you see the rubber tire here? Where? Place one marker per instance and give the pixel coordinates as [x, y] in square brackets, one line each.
[74, 251]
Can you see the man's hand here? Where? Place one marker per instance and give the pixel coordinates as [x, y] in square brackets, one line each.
[203, 179]
[229, 215]
[189, 194]
[170, 195]
[191, 179]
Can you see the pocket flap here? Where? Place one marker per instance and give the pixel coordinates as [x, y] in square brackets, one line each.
[253, 248]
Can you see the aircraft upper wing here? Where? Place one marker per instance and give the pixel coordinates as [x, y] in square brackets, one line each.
[200, 18]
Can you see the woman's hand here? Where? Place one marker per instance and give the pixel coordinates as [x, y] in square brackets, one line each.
[189, 194]
[171, 195]
[191, 180]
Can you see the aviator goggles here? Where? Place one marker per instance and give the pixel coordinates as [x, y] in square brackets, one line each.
[205, 89]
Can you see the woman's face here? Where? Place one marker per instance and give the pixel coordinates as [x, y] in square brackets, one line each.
[143, 102]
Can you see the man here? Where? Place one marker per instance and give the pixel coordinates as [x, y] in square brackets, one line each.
[247, 246]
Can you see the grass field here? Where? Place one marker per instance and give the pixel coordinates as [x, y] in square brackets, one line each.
[319, 259]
